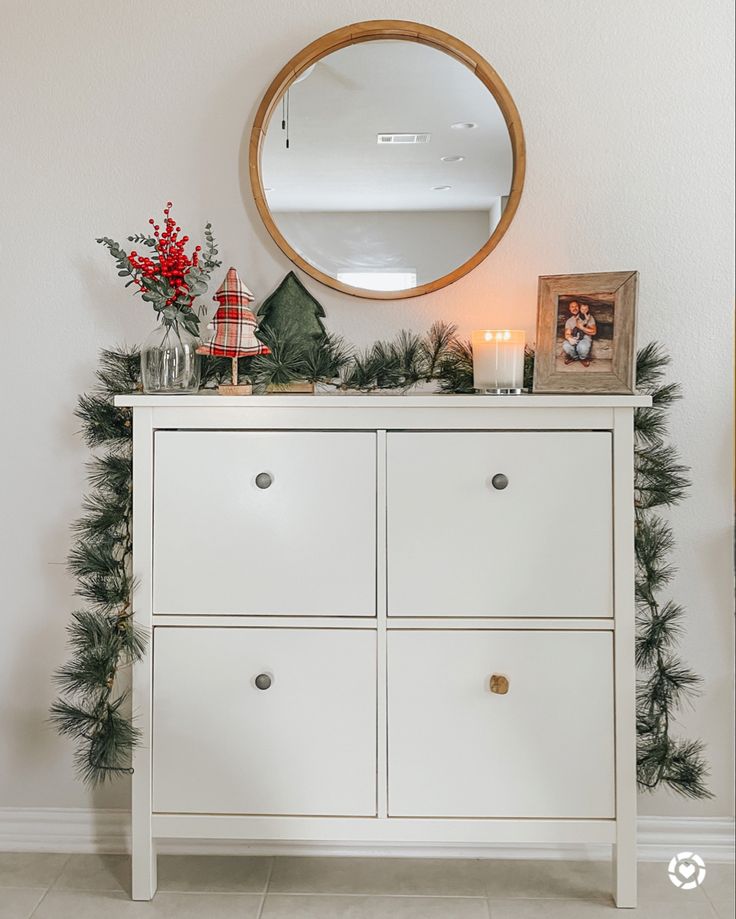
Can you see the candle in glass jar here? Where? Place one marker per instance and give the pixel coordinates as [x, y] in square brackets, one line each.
[498, 359]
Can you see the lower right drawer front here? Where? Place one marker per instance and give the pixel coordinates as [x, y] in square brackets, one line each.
[542, 748]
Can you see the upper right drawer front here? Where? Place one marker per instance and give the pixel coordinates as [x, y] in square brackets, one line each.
[462, 544]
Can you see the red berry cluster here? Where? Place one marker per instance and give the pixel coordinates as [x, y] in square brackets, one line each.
[170, 263]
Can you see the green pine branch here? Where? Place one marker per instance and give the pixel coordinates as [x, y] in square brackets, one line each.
[435, 346]
[325, 359]
[455, 369]
[665, 682]
[103, 640]
[286, 362]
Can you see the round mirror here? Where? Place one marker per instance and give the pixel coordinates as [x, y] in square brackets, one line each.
[387, 159]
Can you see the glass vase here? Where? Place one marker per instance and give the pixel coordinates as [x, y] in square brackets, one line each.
[169, 361]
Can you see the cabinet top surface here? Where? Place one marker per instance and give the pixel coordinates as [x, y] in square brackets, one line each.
[370, 400]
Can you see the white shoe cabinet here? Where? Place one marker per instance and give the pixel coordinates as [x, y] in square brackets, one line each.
[396, 623]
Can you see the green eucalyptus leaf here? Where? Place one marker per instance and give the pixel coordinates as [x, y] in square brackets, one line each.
[197, 287]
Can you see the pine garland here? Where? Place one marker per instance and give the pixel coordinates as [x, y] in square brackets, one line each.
[408, 359]
[103, 641]
[665, 684]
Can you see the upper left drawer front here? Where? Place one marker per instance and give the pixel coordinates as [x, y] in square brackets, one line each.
[255, 523]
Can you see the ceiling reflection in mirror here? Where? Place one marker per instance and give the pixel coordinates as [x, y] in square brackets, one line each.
[386, 165]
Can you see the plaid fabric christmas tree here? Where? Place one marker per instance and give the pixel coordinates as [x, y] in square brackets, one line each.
[234, 322]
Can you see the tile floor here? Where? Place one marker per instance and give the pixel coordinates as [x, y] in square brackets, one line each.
[226, 887]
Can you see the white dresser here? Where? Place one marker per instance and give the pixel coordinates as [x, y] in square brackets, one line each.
[403, 623]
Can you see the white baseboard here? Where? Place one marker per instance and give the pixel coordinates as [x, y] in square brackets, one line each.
[45, 829]
[659, 838]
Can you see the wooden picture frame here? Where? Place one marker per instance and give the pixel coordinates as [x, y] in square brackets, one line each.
[382, 30]
[586, 333]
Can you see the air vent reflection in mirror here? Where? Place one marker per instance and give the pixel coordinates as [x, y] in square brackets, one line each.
[403, 138]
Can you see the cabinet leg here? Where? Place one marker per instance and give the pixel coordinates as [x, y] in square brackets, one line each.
[143, 863]
[143, 847]
[624, 874]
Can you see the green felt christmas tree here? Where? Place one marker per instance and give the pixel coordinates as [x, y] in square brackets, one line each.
[290, 325]
[292, 313]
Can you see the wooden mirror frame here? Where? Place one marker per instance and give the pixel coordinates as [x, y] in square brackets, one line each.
[376, 30]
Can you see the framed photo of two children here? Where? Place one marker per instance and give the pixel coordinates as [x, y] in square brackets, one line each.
[586, 333]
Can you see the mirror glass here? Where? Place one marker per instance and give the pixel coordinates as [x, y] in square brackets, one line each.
[386, 165]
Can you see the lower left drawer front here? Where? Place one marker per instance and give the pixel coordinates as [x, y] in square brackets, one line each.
[306, 744]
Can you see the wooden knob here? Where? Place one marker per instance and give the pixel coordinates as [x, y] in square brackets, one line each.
[499, 684]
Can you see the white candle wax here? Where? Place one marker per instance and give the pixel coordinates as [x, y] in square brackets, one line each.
[498, 359]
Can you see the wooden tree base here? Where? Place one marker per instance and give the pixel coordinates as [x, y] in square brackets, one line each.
[299, 386]
[239, 389]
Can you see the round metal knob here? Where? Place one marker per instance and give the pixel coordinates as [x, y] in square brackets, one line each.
[500, 481]
[263, 681]
[264, 479]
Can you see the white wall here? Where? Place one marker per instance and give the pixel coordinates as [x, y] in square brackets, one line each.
[431, 243]
[108, 110]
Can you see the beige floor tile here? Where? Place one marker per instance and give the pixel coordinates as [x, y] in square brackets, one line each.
[724, 909]
[95, 872]
[414, 876]
[215, 873]
[92, 904]
[655, 886]
[548, 879]
[30, 869]
[700, 910]
[318, 906]
[584, 909]
[720, 882]
[19, 902]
